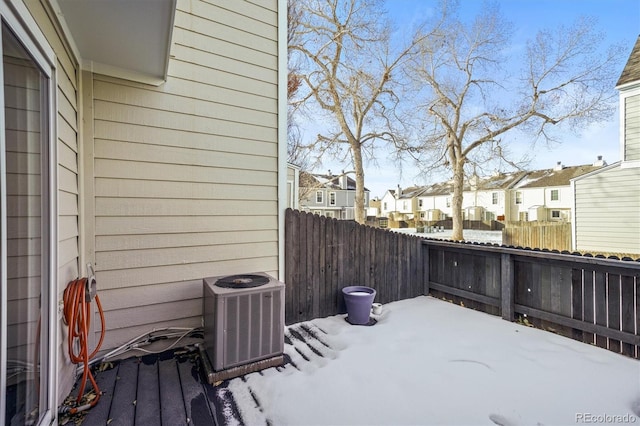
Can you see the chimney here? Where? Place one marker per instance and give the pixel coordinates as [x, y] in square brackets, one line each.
[599, 162]
[329, 172]
[398, 192]
[342, 180]
[558, 166]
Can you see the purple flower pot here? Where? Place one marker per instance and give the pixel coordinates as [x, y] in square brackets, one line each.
[358, 300]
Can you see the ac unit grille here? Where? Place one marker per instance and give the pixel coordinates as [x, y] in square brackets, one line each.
[243, 325]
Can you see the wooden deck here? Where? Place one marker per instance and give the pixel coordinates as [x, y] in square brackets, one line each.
[170, 388]
[163, 389]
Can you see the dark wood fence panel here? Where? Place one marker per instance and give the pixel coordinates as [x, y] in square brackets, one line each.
[594, 300]
[323, 255]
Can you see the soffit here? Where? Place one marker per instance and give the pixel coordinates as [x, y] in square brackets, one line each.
[128, 39]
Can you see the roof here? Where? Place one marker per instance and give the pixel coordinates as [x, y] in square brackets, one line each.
[553, 177]
[325, 181]
[631, 71]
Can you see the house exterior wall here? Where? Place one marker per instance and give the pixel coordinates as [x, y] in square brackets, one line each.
[387, 204]
[606, 212]
[293, 186]
[67, 125]
[343, 208]
[159, 187]
[631, 120]
[185, 175]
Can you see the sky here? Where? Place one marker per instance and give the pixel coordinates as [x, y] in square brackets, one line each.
[619, 20]
[431, 362]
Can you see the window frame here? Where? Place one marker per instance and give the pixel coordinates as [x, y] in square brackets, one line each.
[519, 197]
[19, 21]
[319, 197]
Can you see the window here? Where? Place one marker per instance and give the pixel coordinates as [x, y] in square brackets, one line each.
[420, 203]
[421, 215]
[384, 207]
[555, 195]
[329, 214]
[494, 198]
[332, 198]
[27, 156]
[319, 197]
[448, 202]
[318, 212]
[518, 197]
[404, 205]
[555, 214]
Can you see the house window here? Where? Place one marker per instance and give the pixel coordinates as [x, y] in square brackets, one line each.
[384, 207]
[27, 206]
[420, 203]
[555, 214]
[555, 195]
[518, 197]
[448, 202]
[329, 214]
[494, 198]
[332, 198]
[404, 205]
[421, 215]
[319, 197]
[318, 212]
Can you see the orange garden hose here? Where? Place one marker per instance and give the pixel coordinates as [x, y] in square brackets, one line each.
[77, 315]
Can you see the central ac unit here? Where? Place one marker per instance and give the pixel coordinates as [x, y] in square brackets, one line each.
[243, 323]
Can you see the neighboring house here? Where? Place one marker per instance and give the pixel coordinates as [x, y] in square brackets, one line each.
[373, 210]
[401, 204]
[434, 203]
[146, 138]
[545, 195]
[388, 203]
[488, 198]
[541, 195]
[329, 195]
[293, 186]
[607, 201]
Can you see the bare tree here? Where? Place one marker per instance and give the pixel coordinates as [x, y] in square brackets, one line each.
[473, 101]
[350, 73]
[295, 152]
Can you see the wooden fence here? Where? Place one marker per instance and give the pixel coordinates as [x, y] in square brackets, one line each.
[594, 300]
[323, 255]
[590, 299]
[549, 235]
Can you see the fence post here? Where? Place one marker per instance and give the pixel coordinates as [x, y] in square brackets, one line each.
[424, 250]
[507, 286]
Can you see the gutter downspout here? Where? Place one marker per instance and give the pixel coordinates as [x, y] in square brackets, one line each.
[282, 131]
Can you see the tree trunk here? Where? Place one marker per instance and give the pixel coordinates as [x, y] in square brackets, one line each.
[359, 199]
[456, 202]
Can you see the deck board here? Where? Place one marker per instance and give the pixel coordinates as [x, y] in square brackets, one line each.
[173, 411]
[106, 380]
[148, 400]
[125, 394]
[170, 389]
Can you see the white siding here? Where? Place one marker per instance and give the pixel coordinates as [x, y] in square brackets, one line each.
[608, 211]
[185, 174]
[632, 128]
[67, 150]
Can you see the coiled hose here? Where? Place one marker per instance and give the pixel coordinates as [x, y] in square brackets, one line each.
[77, 315]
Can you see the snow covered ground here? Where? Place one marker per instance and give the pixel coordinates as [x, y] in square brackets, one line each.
[494, 237]
[429, 362]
